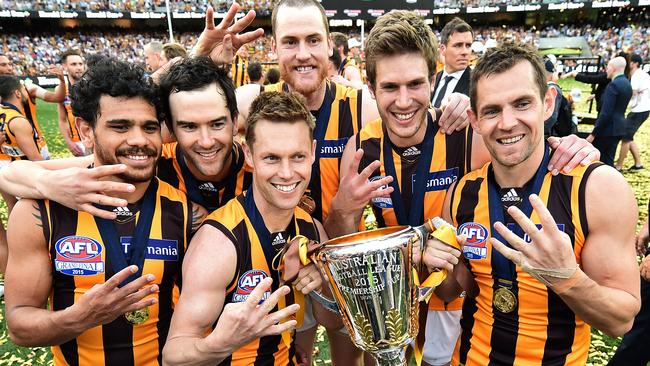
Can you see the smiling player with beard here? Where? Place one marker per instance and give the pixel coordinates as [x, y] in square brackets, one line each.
[236, 249]
[406, 146]
[73, 67]
[110, 283]
[199, 103]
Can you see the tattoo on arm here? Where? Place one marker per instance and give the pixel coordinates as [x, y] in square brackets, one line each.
[37, 215]
[197, 217]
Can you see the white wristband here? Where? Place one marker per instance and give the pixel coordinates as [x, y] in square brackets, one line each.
[40, 93]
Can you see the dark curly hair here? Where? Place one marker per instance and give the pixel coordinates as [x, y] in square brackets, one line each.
[8, 85]
[113, 78]
[194, 74]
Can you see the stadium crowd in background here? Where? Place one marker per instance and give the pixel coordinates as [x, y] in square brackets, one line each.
[352, 114]
[32, 53]
[262, 7]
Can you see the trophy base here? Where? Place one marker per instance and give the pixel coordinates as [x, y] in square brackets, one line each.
[391, 357]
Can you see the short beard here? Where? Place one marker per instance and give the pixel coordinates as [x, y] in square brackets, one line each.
[291, 80]
[137, 176]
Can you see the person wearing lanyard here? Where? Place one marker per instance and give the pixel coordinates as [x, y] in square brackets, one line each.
[406, 147]
[302, 42]
[537, 263]
[239, 246]
[111, 283]
[199, 106]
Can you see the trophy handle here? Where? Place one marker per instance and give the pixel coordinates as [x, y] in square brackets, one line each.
[441, 230]
[327, 303]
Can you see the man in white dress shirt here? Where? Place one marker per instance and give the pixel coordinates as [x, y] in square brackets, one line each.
[456, 49]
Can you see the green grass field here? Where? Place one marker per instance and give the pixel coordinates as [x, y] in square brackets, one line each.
[602, 347]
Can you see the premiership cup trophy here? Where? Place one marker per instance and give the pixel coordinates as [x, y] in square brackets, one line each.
[376, 286]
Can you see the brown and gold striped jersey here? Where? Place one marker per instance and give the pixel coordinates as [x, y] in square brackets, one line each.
[172, 169]
[542, 329]
[10, 149]
[80, 261]
[340, 120]
[450, 158]
[256, 261]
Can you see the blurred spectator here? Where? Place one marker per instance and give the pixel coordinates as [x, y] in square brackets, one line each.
[171, 51]
[272, 76]
[255, 73]
[262, 7]
[610, 125]
[31, 53]
[551, 81]
[639, 111]
[153, 53]
[347, 72]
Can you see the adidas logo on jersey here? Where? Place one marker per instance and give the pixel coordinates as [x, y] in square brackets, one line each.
[208, 186]
[279, 240]
[511, 196]
[411, 151]
[122, 212]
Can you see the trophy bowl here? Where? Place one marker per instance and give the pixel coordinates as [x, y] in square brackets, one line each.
[372, 279]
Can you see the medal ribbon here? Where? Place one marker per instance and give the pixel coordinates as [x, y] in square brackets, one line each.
[192, 184]
[322, 121]
[7, 104]
[137, 248]
[263, 234]
[344, 63]
[504, 268]
[417, 199]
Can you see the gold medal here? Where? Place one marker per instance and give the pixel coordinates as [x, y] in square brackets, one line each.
[137, 317]
[504, 300]
[307, 203]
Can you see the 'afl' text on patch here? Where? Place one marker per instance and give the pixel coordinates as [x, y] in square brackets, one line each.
[78, 256]
[381, 202]
[246, 284]
[476, 246]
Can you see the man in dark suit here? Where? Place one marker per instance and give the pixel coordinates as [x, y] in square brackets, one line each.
[456, 48]
[610, 125]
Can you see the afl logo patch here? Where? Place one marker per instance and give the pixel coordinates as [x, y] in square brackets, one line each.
[381, 202]
[246, 284]
[475, 247]
[78, 256]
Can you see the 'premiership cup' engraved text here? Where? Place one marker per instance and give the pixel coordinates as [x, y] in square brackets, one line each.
[368, 274]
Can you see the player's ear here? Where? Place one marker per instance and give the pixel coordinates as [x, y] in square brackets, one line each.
[248, 153]
[86, 132]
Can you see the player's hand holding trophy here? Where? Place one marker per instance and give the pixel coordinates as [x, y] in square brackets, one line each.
[375, 282]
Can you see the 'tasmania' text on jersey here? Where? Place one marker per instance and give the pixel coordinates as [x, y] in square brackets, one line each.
[449, 161]
[80, 261]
